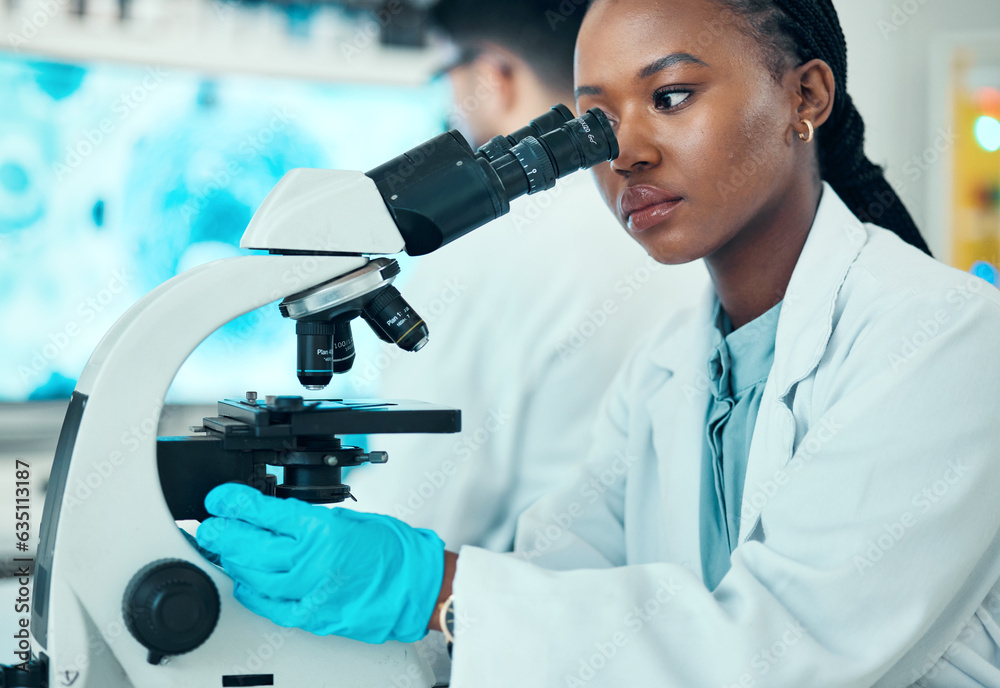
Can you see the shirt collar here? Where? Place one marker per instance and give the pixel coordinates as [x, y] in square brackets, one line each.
[744, 357]
[806, 319]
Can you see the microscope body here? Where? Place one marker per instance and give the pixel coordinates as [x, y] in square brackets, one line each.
[106, 518]
[121, 597]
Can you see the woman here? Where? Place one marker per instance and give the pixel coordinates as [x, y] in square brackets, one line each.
[793, 485]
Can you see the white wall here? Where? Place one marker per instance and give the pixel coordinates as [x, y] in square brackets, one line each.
[898, 88]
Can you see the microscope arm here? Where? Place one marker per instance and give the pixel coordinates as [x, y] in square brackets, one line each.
[106, 518]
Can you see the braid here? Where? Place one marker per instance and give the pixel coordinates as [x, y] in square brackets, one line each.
[810, 29]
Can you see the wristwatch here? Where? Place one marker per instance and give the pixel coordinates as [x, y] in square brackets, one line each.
[446, 619]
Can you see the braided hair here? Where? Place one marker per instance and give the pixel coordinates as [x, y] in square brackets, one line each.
[803, 30]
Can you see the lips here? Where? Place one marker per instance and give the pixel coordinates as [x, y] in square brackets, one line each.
[644, 206]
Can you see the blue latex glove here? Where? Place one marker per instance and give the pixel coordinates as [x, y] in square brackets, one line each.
[328, 571]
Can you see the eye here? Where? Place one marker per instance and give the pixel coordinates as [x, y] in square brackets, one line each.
[669, 98]
[611, 118]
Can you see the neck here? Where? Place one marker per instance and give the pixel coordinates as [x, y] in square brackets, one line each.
[751, 272]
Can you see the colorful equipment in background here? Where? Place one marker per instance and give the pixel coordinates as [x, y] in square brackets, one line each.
[976, 167]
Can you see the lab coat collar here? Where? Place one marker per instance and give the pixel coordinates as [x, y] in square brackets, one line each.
[804, 328]
[806, 322]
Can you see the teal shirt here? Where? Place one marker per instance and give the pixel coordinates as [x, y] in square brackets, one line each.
[737, 369]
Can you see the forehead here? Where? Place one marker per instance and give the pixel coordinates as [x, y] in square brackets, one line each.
[620, 37]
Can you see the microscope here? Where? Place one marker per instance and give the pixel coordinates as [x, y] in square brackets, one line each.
[122, 598]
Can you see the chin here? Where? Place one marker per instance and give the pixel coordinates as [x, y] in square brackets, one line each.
[671, 247]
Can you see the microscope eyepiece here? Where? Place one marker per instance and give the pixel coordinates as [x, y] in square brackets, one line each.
[443, 189]
[551, 120]
[534, 164]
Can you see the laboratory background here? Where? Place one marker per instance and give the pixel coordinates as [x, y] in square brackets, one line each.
[138, 138]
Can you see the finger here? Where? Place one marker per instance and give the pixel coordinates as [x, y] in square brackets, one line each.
[280, 611]
[309, 614]
[278, 585]
[236, 500]
[247, 545]
[210, 556]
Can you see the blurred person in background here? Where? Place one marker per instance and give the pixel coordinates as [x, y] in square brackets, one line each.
[530, 317]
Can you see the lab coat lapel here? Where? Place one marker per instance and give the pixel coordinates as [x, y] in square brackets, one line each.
[677, 412]
[804, 328]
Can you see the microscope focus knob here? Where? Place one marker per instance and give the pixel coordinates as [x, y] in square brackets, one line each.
[171, 606]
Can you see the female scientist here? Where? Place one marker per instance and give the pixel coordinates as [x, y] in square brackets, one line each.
[793, 485]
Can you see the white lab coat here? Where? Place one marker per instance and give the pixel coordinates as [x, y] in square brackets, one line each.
[868, 551]
[530, 318]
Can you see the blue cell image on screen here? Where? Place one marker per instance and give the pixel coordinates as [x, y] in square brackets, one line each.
[115, 178]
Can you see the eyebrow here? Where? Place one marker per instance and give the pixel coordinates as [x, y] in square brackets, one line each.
[649, 70]
[669, 61]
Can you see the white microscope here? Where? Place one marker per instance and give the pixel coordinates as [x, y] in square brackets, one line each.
[122, 599]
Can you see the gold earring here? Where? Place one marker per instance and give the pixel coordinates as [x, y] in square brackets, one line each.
[809, 137]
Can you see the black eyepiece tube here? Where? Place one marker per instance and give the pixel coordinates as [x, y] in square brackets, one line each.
[538, 127]
[550, 121]
[443, 189]
[579, 144]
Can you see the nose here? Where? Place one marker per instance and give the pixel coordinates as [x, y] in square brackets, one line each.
[637, 149]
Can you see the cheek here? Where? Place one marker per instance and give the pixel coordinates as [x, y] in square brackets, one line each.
[755, 151]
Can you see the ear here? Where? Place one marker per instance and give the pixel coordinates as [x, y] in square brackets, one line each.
[495, 71]
[815, 90]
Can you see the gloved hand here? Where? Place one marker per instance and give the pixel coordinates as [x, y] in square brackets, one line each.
[328, 571]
